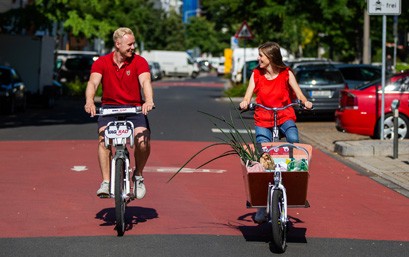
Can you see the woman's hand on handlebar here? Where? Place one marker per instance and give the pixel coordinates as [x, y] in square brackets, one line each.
[244, 105]
[308, 105]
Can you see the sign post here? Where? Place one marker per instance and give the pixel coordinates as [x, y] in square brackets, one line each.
[383, 7]
[244, 33]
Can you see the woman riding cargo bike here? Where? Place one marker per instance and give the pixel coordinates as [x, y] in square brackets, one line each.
[275, 87]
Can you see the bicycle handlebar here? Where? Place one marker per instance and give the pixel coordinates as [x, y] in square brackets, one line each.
[252, 106]
[106, 111]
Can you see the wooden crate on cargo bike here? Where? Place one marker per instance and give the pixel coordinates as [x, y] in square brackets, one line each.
[256, 181]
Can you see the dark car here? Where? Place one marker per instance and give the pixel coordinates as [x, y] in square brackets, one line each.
[12, 90]
[321, 84]
[75, 68]
[357, 74]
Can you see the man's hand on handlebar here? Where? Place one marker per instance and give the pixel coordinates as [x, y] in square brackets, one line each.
[90, 108]
[147, 107]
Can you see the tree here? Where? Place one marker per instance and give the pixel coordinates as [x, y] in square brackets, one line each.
[300, 26]
[200, 33]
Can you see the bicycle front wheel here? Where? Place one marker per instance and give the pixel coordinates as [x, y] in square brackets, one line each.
[119, 197]
[279, 228]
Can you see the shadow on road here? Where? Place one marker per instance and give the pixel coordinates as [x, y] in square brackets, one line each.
[133, 216]
[68, 110]
[263, 233]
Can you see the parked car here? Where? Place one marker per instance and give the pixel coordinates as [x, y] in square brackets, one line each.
[360, 109]
[296, 63]
[12, 90]
[321, 84]
[357, 74]
[204, 65]
[72, 65]
[220, 69]
[156, 72]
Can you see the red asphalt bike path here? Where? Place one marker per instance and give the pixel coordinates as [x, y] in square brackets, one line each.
[42, 196]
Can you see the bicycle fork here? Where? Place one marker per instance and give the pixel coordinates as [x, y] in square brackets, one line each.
[121, 154]
[278, 186]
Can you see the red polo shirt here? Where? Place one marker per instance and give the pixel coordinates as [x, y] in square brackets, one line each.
[120, 86]
[272, 93]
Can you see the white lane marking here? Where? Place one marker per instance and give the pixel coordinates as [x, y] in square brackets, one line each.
[224, 130]
[79, 168]
[184, 170]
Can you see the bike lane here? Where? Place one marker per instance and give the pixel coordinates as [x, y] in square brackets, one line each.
[48, 190]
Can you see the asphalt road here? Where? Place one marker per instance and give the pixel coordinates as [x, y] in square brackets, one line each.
[49, 210]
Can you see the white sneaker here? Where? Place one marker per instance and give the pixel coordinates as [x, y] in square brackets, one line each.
[261, 216]
[140, 187]
[103, 191]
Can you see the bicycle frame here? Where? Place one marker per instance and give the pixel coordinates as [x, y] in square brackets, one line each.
[117, 133]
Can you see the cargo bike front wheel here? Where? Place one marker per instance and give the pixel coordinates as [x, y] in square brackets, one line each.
[278, 220]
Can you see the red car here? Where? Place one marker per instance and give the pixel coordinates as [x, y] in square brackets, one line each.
[359, 110]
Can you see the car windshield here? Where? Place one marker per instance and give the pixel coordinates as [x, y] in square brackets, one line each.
[319, 77]
[81, 63]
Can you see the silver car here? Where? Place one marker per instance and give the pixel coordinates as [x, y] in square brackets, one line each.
[156, 72]
[321, 84]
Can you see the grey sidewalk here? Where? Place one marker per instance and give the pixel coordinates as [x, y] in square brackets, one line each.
[373, 157]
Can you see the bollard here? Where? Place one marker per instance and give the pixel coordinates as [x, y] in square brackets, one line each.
[395, 110]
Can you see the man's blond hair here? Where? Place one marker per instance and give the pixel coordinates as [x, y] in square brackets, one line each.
[120, 32]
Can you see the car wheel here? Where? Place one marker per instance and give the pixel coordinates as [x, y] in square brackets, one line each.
[403, 127]
[194, 74]
[11, 107]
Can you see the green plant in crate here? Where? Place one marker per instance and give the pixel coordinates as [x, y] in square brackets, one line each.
[240, 145]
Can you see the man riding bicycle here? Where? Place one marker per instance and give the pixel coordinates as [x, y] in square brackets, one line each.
[124, 76]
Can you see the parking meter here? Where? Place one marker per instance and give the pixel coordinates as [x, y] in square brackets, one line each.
[395, 104]
[395, 110]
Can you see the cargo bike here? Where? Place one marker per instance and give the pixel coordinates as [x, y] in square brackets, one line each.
[282, 185]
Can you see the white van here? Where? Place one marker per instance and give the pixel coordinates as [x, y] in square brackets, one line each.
[173, 63]
[250, 54]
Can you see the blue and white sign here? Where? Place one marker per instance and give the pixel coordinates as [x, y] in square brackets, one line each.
[234, 42]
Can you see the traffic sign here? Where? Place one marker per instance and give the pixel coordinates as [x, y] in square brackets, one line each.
[244, 31]
[384, 7]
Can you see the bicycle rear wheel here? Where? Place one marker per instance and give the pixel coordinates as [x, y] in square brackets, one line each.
[119, 198]
[279, 228]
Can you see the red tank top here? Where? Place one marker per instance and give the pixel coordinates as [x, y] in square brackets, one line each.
[273, 93]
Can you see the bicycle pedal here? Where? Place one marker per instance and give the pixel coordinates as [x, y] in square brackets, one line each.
[132, 196]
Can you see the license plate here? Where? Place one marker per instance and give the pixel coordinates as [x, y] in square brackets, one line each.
[321, 93]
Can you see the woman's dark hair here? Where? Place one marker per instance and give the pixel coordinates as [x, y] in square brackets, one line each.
[273, 53]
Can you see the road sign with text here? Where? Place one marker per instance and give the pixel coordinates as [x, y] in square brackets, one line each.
[384, 7]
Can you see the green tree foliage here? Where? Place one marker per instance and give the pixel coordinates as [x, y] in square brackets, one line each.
[196, 29]
[300, 26]
[99, 18]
